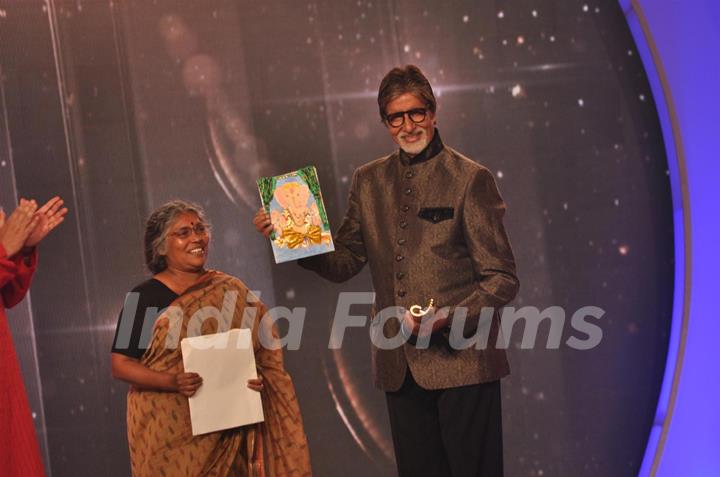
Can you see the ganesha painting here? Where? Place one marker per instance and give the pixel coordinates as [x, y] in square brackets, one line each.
[297, 214]
[298, 224]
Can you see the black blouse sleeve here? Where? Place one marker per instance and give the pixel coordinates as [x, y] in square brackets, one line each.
[142, 307]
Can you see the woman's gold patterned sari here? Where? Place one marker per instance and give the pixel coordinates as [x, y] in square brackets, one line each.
[159, 431]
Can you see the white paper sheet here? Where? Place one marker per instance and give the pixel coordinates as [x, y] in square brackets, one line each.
[225, 361]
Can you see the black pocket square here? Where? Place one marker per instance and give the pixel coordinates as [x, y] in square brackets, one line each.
[436, 214]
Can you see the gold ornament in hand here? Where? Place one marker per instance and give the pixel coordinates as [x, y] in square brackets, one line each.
[418, 312]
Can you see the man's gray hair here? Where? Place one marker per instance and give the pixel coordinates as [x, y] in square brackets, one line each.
[408, 79]
[156, 229]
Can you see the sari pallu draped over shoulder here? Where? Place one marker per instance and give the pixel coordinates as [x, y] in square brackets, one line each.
[159, 430]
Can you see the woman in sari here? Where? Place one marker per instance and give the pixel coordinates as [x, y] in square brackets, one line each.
[158, 418]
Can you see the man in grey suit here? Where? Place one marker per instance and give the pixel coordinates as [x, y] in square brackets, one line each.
[428, 221]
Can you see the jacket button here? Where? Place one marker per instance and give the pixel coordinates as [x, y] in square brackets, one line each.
[401, 293]
[405, 208]
[408, 191]
[409, 174]
[400, 275]
[399, 258]
[401, 241]
[403, 224]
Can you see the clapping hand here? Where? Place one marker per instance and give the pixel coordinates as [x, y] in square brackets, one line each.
[17, 228]
[49, 216]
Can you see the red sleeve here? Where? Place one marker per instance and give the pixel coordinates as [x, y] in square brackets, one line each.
[15, 275]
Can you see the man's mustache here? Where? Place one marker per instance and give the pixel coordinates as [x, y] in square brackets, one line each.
[419, 132]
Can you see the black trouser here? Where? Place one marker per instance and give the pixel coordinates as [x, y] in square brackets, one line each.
[455, 432]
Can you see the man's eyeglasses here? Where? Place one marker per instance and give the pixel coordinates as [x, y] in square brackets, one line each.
[184, 233]
[398, 119]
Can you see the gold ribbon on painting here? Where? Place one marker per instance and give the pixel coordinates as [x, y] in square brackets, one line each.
[295, 239]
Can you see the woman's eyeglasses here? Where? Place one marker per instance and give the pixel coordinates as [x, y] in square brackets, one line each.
[183, 233]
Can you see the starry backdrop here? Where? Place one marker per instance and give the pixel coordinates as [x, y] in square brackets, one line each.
[120, 106]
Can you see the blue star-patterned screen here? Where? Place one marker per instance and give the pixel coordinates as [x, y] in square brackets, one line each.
[120, 106]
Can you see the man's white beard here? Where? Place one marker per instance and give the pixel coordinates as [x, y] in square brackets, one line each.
[415, 147]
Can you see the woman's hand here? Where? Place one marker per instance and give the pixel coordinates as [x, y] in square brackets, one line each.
[256, 384]
[262, 222]
[187, 383]
[16, 229]
[50, 216]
